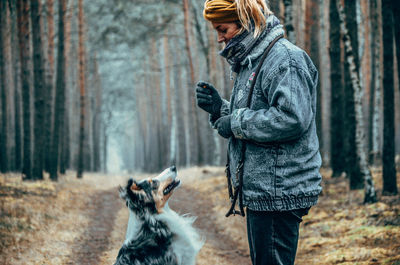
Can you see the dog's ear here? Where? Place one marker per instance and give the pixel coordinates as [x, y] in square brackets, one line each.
[134, 186]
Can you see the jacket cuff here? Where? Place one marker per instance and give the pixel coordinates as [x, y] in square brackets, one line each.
[236, 123]
[212, 119]
[223, 111]
[225, 107]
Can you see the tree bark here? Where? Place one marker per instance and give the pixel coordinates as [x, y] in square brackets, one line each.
[337, 98]
[81, 68]
[65, 154]
[96, 118]
[370, 194]
[375, 85]
[180, 113]
[49, 83]
[197, 148]
[352, 168]
[24, 57]
[312, 47]
[39, 91]
[275, 7]
[17, 90]
[212, 73]
[3, 92]
[59, 106]
[290, 33]
[388, 153]
[396, 20]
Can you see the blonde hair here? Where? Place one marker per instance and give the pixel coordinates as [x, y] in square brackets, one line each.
[244, 11]
[253, 10]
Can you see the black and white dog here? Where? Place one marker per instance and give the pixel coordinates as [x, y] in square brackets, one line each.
[156, 234]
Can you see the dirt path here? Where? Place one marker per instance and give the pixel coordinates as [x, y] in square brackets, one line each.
[89, 247]
[223, 246]
[84, 221]
[108, 216]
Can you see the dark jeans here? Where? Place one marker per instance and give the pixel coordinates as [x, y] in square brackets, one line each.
[273, 236]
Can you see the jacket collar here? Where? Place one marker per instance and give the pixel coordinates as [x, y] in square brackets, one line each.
[244, 48]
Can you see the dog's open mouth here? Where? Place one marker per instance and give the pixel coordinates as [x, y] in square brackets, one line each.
[171, 186]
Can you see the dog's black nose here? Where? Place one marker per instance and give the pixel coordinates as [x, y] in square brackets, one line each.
[173, 168]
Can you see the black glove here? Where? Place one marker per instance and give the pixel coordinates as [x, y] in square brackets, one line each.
[208, 99]
[223, 126]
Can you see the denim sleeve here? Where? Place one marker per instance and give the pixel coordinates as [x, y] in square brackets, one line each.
[290, 97]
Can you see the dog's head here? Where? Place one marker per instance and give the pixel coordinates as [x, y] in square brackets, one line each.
[151, 194]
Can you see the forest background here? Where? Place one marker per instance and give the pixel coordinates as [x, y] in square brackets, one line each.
[109, 85]
[90, 87]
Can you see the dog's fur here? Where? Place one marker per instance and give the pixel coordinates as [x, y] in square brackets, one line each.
[156, 234]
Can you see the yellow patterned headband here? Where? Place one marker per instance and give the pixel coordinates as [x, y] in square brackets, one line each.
[220, 11]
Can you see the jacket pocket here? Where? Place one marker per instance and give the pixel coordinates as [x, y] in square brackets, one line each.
[260, 170]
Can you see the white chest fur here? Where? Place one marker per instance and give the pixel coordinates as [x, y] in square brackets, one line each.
[187, 242]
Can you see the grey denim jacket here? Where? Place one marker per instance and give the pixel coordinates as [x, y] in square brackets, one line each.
[282, 159]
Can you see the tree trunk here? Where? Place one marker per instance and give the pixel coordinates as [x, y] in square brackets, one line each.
[24, 57]
[275, 6]
[375, 85]
[59, 106]
[370, 194]
[337, 98]
[64, 160]
[3, 92]
[396, 20]
[17, 90]
[180, 113]
[207, 45]
[65, 155]
[39, 91]
[352, 168]
[49, 83]
[87, 144]
[171, 94]
[197, 148]
[165, 101]
[212, 71]
[96, 118]
[156, 139]
[312, 47]
[290, 33]
[81, 68]
[388, 153]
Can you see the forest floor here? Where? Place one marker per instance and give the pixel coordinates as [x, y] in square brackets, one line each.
[84, 221]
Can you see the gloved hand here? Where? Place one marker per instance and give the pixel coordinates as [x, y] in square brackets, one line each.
[223, 126]
[208, 99]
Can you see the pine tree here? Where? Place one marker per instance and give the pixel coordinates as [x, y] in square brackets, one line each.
[3, 92]
[39, 91]
[361, 156]
[81, 89]
[388, 153]
[59, 106]
[337, 98]
[24, 57]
